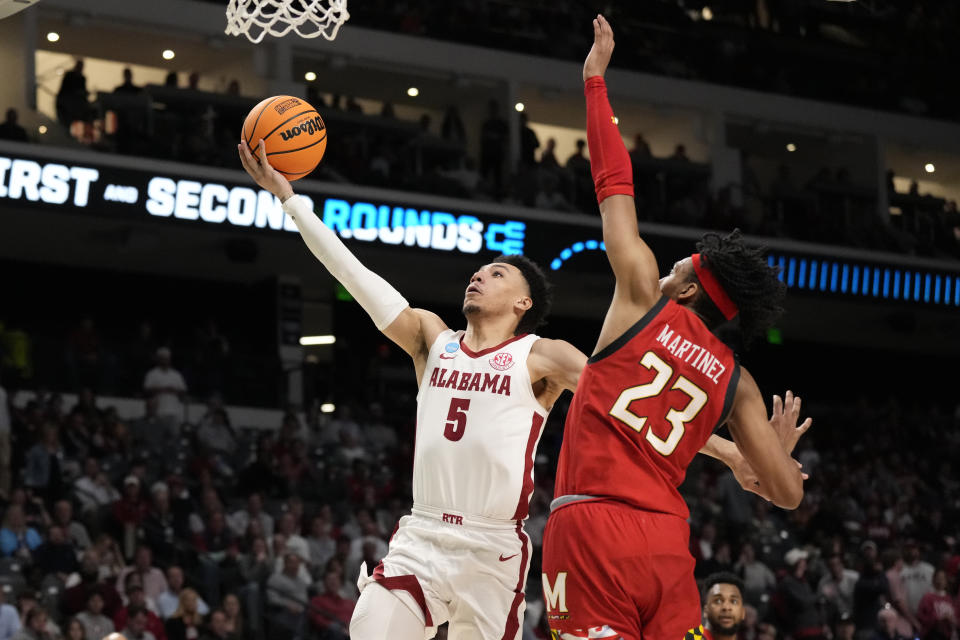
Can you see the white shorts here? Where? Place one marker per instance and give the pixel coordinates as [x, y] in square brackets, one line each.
[466, 570]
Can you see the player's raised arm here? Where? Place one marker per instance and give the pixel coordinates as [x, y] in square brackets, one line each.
[633, 263]
[767, 452]
[388, 309]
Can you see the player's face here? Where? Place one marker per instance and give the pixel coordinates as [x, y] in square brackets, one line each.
[496, 288]
[677, 283]
[724, 609]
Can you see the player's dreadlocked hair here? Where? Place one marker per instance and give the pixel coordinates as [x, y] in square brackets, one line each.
[752, 284]
[541, 292]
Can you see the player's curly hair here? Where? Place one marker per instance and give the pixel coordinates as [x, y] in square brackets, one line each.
[722, 577]
[752, 284]
[541, 292]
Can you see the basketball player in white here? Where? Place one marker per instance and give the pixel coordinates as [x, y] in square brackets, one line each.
[461, 555]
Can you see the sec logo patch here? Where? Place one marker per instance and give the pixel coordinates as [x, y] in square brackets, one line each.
[502, 361]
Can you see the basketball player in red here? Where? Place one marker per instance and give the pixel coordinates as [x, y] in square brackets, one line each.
[462, 555]
[615, 557]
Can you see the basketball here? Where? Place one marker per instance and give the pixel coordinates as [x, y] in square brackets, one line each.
[292, 131]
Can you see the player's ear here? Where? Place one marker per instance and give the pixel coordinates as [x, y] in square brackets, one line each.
[688, 291]
[524, 303]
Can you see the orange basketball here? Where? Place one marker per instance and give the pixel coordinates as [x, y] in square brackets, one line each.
[292, 131]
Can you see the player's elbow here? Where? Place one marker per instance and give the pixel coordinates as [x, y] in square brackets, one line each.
[790, 496]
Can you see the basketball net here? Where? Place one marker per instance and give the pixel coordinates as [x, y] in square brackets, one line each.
[308, 18]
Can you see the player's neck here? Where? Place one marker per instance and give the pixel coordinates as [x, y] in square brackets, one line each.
[488, 332]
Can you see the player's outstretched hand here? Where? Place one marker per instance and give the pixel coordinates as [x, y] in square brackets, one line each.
[784, 419]
[262, 173]
[599, 56]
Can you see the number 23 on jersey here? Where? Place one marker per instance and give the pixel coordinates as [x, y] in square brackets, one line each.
[677, 417]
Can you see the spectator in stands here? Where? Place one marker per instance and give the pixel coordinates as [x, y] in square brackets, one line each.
[151, 431]
[169, 600]
[44, 465]
[72, 96]
[130, 511]
[871, 591]
[217, 436]
[34, 625]
[494, 135]
[886, 626]
[136, 628]
[233, 613]
[549, 196]
[451, 127]
[758, 579]
[93, 488]
[9, 618]
[95, 624]
[917, 575]
[548, 157]
[893, 566]
[56, 555]
[529, 142]
[240, 520]
[796, 601]
[10, 130]
[75, 630]
[75, 597]
[680, 153]
[167, 385]
[330, 612]
[641, 150]
[187, 621]
[127, 86]
[162, 526]
[937, 612]
[287, 595]
[837, 585]
[217, 629]
[16, 538]
[151, 578]
[76, 531]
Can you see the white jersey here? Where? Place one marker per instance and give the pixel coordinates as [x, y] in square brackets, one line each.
[478, 424]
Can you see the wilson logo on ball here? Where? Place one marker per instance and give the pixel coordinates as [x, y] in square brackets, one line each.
[309, 127]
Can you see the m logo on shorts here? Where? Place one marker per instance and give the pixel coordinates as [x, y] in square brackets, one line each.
[556, 596]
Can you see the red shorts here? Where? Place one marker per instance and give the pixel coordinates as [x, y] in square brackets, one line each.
[606, 564]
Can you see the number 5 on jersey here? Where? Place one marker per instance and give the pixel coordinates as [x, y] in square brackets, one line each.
[676, 418]
[456, 419]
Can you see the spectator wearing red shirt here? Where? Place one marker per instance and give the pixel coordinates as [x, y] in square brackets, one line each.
[137, 601]
[937, 611]
[329, 611]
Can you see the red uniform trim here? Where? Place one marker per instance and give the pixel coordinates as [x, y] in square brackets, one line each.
[513, 618]
[523, 504]
[476, 354]
[408, 583]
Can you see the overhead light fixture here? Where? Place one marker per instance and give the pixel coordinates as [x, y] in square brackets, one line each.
[309, 76]
[791, 147]
[53, 36]
[929, 167]
[42, 129]
[519, 107]
[327, 407]
[706, 13]
[168, 54]
[312, 341]
[413, 92]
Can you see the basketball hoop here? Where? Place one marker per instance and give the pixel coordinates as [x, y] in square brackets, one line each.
[308, 18]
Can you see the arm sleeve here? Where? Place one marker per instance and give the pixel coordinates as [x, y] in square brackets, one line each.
[609, 160]
[381, 301]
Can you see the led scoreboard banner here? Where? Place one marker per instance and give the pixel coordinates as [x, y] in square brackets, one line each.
[173, 193]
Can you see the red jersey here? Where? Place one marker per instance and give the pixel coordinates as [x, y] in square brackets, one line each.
[644, 406]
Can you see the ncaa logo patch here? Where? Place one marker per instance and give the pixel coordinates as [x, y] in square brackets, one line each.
[451, 347]
[502, 361]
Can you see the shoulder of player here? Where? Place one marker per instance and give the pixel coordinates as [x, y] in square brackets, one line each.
[555, 356]
[747, 391]
[431, 325]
